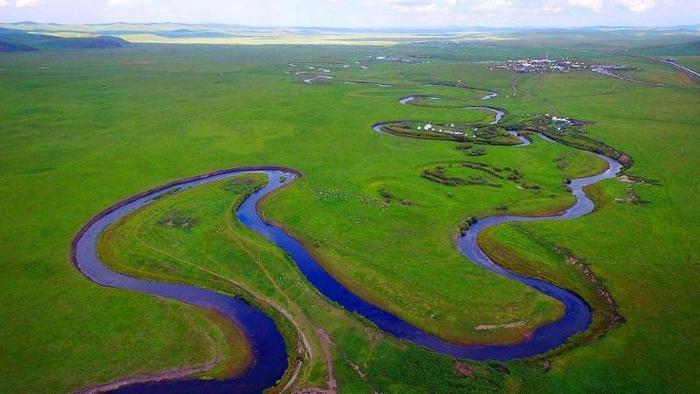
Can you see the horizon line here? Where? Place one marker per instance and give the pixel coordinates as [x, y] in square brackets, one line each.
[398, 27]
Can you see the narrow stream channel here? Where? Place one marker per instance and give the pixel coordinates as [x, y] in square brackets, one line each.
[269, 349]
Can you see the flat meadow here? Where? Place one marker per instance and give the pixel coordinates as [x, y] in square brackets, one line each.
[82, 130]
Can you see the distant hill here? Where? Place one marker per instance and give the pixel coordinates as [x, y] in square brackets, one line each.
[10, 47]
[18, 40]
[4, 31]
[186, 33]
[215, 29]
[647, 39]
[679, 49]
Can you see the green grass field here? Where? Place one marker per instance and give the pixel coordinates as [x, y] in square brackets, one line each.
[82, 130]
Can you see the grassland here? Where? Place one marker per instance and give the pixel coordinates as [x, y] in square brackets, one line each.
[83, 131]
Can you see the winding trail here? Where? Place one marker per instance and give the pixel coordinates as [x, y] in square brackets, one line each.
[269, 352]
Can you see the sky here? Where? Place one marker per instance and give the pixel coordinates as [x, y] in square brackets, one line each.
[361, 13]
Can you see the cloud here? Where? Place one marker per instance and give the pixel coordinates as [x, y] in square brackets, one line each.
[476, 7]
[593, 5]
[513, 12]
[551, 6]
[636, 5]
[27, 3]
[449, 9]
[492, 6]
[364, 12]
[117, 3]
[411, 6]
[597, 6]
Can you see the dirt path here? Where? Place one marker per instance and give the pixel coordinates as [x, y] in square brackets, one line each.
[323, 338]
[326, 344]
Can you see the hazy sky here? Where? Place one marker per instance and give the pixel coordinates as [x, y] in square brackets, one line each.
[361, 13]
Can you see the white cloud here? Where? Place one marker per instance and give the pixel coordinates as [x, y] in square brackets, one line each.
[551, 6]
[450, 9]
[494, 6]
[411, 5]
[364, 12]
[636, 5]
[27, 3]
[127, 2]
[475, 7]
[597, 6]
[514, 12]
[593, 5]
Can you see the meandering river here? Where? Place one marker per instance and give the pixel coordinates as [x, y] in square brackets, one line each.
[270, 357]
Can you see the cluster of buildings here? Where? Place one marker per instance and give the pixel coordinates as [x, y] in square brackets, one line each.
[394, 59]
[549, 65]
[541, 65]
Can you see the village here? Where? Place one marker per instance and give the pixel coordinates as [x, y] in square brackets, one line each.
[391, 59]
[549, 65]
